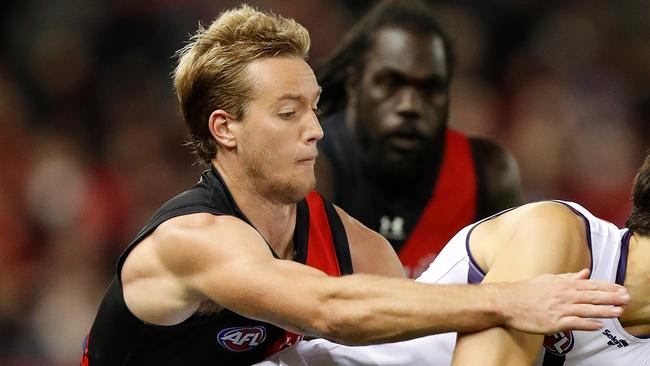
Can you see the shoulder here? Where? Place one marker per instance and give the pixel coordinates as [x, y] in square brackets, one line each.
[546, 216]
[370, 252]
[552, 211]
[182, 228]
[492, 156]
[498, 176]
[545, 235]
[190, 242]
[546, 220]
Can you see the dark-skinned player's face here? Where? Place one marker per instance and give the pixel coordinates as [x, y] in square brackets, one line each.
[401, 99]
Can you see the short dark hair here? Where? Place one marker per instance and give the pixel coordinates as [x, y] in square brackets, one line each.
[414, 15]
[639, 220]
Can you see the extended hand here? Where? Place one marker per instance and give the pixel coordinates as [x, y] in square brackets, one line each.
[551, 303]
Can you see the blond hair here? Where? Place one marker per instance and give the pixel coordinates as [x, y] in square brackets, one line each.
[211, 69]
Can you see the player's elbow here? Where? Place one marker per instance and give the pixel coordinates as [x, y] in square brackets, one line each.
[342, 322]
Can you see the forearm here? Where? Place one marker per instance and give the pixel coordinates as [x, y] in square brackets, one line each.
[365, 309]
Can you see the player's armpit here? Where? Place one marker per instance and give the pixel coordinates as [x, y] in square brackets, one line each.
[370, 252]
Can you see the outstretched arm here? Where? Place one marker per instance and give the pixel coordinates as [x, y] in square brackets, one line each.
[535, 239]
[224, 260]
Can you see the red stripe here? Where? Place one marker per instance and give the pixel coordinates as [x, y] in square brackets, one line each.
[321, 253]
[84, 358]
[451, 207]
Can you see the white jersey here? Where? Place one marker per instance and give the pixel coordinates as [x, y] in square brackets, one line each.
[611, 345]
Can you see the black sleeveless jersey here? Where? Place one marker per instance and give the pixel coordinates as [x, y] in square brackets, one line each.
[420, 223]
[117, 337]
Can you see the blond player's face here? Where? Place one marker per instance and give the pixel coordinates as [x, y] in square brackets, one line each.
[279, 133]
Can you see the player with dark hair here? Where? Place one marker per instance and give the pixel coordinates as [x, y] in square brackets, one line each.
[388, 157]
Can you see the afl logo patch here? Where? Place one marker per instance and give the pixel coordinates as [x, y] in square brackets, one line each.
[241, 339]
[559, 343]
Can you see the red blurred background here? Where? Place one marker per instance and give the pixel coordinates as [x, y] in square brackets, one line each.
[91, 137]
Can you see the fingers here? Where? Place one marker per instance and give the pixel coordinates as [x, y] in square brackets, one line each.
[580, 275]
[594, 311]
[599, 285]
[577, 323]
[597, 292]
[599, 297]
[570, 301]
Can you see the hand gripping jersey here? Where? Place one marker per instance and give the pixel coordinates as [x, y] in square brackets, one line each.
[611, 346]
[117, 337]
[419, 228]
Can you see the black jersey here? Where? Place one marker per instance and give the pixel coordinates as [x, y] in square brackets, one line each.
[417, 227]
[117, 337]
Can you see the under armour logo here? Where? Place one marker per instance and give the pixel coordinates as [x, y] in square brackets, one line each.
[392, 229]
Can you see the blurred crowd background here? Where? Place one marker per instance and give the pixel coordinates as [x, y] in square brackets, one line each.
[91, 137]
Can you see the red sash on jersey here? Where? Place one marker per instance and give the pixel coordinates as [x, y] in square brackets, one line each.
[84, 357]
[321, 254]
[452, 206]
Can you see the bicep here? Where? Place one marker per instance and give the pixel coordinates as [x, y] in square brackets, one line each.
[230, 264]
[265, 290]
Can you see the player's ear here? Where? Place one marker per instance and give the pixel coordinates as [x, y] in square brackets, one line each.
[221, 128]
